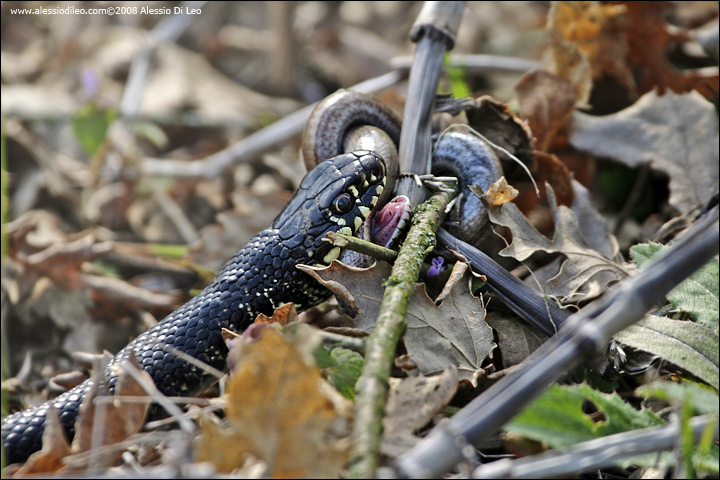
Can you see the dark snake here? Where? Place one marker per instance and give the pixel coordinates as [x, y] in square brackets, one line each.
[336, 195]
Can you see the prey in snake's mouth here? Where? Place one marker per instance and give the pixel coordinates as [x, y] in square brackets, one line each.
[391, 221]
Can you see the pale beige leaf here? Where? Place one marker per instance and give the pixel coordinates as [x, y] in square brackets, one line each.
[412, 403]
[675, 134]
[583, 263]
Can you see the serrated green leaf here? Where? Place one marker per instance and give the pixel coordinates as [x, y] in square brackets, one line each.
[557, 418]
[342, 368]
[620, 416]
[90, 125]
[689, 345]
[698, 295]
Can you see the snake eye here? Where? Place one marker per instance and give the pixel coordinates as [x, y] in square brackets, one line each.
[343, 203]
[376, 171]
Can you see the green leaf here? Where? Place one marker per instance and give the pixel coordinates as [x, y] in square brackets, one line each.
[703, 399]
[90, 125]
[152, 132]
[690, 398]
[557, 419]
[342, 368]
[456, 75]
[698, 295]
[706, 464]
[168, 250]
[688, 345]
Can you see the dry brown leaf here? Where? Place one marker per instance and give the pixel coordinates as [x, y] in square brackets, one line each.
[546, 102]
[454, 333]
[62, 261]
[498, 124]
[499, 192]
[569, 62]
[549, 169]
[598, 30]
[278, 412]
[676, 134]
[456, 275]
[119, 419]
[412, 403]
[55, 448]
[516, 340]
[583, 265]
[282, 315]
[649, 41]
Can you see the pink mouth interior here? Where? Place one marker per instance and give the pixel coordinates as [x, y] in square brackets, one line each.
[388, 222]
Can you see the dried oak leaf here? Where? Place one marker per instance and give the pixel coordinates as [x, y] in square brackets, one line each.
[412, 403]
[568, 61]
[676, 134]
[282, 315]
[454, 333]
[583, 265]
[279, 413]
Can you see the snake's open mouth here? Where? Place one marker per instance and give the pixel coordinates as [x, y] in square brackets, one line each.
[389, 223]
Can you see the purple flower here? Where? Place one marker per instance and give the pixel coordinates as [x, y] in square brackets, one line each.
[437, 267]
[90, 82]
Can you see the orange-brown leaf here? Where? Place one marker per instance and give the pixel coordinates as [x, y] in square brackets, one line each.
[282, 315]
[277, 412]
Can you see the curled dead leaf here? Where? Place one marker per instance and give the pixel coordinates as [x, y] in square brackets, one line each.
[499, 192]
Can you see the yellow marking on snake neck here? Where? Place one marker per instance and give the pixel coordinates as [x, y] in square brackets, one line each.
[332, 255]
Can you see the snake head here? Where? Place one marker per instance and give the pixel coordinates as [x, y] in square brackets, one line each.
[336, 196]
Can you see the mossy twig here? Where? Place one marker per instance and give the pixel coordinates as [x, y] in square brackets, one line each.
[380, 346]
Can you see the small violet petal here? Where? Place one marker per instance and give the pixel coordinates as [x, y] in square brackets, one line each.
[90, 82]
[437, 267]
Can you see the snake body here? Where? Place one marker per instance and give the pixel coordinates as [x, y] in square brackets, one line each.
[458, 152]
[337, 195]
